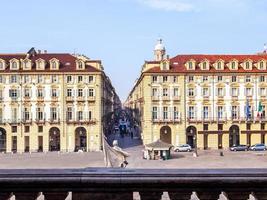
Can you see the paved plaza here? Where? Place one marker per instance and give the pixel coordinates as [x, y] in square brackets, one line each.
[206, 159]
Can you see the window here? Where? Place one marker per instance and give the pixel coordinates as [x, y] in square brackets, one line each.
[205, 78]
[80, 115]
[175, 79]
[154, 79]
[155, 112]
[39, 78]
[191, 92]
[248, 92]
[219, 78]
[191, 112]
[1, 79]
[205, 112]
[190, 78]
[262, 78]
[205, 127]
[80, 79]
[262, 126]
[91, 92]
[13, 129]
[234, 79]
[40, 93]
[165, 92]
[26, 92]
[248, 126]
[54, 93]
[80, 65]
[26, 114]
[26, 129]
[69, 79]
[175, 92]
[262, 92]
[154, 92]
[190, 65]
[69, 113]
[261, 65]
[54, 65]
[80, 92]
[248, 78]
[1, 94]
[234, 112]
[53, 113]
[220, 112]
[54, 78]
[234, 92]
[165, 112]
[39, 114]
[13, 93]
[205, 66]
[205, 92]
[90, 79]
[1, 65]
[90, 115]
[13, 79]
[233, 65]
[247, 65]
[220, 127]
[165, 78]
[40, 129]
[219, 66]
[220, 92]
[14, 114]
[175, 112]
[14, 65]
[27, 64]
[69, 92]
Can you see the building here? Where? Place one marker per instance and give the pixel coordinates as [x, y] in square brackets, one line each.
[53, 102]
[208, 101]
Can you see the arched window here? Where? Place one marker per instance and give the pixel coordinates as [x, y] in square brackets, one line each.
[247, 65]
[219, 65]
[233, 65]
[190, 65]
[80, 64]
[204, 65]
[54, 65]
[14, 65]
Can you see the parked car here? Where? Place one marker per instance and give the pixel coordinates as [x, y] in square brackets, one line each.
[184, 147]
[258, 147]
[240, 147]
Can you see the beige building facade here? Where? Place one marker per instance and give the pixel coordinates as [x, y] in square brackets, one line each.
[53, 102]
[207, 101]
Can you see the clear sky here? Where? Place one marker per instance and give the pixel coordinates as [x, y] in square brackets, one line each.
[122, 33]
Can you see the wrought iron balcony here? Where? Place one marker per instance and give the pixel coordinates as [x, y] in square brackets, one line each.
[126, 184]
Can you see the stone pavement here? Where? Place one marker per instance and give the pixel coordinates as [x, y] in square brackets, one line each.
[206, 159]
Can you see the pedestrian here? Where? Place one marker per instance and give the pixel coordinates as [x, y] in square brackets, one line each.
[132, 134]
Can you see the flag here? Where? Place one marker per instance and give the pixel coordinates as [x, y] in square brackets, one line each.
[260, 109]
[114, 156]
[247, 110]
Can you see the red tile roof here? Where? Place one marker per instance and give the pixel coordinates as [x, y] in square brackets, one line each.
[177, 63]
[67, 62]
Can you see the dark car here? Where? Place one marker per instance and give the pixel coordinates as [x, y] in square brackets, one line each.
[258, 147]
[240, 147]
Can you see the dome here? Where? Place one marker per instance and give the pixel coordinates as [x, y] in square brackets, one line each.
[159, 45]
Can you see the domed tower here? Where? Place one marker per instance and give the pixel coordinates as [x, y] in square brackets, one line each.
[159, 51]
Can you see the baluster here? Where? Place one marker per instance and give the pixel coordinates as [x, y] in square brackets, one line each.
[239, 195]
[208, 195]
[252, 196]
[26, 195]
[223, 196]
[180, 195]
[150, 195]
[55, 195]
[102, 196]
[5, 195]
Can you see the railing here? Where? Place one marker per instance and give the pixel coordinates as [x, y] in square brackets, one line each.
[125, 184]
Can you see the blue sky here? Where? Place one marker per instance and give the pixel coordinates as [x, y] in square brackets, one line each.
[122, 33]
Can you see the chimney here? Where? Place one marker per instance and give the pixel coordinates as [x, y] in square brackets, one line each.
[265, 48]
[45, 51]
[39, 51]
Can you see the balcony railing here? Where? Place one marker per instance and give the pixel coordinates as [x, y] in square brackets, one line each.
[144, 184]
[169, 120]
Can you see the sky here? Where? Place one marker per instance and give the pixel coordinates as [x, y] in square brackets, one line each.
[123, 33]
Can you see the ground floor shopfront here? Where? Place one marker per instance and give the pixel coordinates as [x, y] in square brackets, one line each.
[50, 138]
[209, 135]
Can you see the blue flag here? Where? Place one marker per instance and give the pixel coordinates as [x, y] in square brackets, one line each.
[247, 110]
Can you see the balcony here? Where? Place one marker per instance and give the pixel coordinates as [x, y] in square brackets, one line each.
[40, 99]
[176, 98]
[81, 98]
[126, 184]
[13, 121]
[91, 98]
[167, 120]
[26, 121]
[26, 99]
[55, 98]
[54, 121]
[69, 98]
[155, 98]
[81, 121]
[40, 121]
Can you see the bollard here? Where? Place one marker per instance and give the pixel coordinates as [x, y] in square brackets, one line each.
[221, 153]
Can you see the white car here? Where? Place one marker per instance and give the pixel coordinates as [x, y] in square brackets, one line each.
[184, 147]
